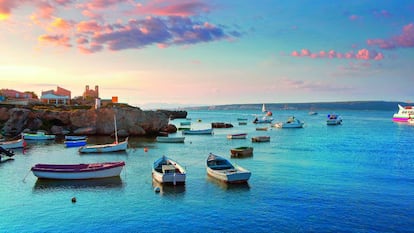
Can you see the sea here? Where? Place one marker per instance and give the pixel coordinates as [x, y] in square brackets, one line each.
[354, 177]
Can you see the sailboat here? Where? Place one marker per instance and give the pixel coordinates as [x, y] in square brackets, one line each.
[112, 147]
[266, 117]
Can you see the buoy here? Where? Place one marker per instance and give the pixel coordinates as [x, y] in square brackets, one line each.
[73, 199]
[145, 149]
[157, 189]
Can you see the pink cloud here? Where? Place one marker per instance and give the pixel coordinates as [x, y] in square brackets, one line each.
[173, 8]
[363, 54]
[305, 52]
[60, 40]
[88, 27]
[405, 39]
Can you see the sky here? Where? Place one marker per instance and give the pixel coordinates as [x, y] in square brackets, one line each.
[169, 53]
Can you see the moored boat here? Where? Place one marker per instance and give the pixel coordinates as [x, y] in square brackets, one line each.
[237, 136]
[261, 139]
[38, 136]
[221, 169]
[334, 119]
[75, 143]
[168, 171]
[78, 171]
[291, 122]
[262, 120]
[242, 151]
[198, 131]
[168, 139]
[13, 144]
[75, 137]
[112, 147]
[404, 113]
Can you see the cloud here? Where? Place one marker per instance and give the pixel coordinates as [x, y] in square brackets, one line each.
[403, 40]
[183, 8]
[59, 40]
[362, 54]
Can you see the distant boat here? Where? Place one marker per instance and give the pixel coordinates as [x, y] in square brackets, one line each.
[334, 119]
[221, 169]
[261, 139]
[198, 131]
[170, 139]
[112, 147]
[291, 122]
[38, 136]
[13, 144]
[7, 152]
[312, 113]
[185, 123]
[261, 128]
[242, 151]
[75, 143]
[78, 171]
[168, 171]
[237, 136]
[404, 113]
[264, 108]
[262, 120]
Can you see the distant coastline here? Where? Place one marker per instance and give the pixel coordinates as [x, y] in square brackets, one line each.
[314, 106]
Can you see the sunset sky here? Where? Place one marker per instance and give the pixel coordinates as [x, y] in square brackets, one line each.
[195, 52]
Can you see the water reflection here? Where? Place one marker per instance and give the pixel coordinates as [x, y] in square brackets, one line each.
[229, 186]
[112, 182]
[169, 189]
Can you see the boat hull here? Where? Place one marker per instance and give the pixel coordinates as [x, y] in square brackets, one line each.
[198, 132]
[13, 144]
[222, 170]
[237, 136]
[170, 139]
[261, 139]
[38, 136]
[168, 171]
[77, 143]
[122, 146]
[75, 171]
[241, 151]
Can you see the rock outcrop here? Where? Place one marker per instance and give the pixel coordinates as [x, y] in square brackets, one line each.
[130, 121]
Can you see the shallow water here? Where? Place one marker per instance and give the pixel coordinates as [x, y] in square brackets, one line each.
[354, 177]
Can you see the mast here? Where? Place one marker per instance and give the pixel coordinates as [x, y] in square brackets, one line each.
[116, 130]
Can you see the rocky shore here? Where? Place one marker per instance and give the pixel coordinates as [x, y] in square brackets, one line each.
[131, 121]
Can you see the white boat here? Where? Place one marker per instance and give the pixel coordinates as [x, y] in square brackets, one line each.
[237, 136]
[334, 119]
[404, 113]
[291, 122]
[112, 147]
[38, 136]
[19, 143]
[221, 169]
[170, 139]
[261, 139]
[78, 171]
[198, 131]
[168, 171]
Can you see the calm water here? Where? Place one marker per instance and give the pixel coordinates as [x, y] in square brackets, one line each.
[356, 177]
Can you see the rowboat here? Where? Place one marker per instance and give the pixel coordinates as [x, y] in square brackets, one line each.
[75, 138]
[78, 171]
[291, 122]
[237, 136]
[261, 139]
[170, 139]
[242, 151]
[221, 169]
[198, 131]
[75, 143]
[19, 143]
[112, 147]
[38, 136]
[261, 128]
[168, 171]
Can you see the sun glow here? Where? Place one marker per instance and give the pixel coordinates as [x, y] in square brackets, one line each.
[4, 16]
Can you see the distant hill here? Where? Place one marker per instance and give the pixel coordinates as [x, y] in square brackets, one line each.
[346, 105]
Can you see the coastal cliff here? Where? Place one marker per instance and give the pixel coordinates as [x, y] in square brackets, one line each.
[130, 121]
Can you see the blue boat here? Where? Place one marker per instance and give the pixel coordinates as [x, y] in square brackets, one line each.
[76, 143]
[198, 131]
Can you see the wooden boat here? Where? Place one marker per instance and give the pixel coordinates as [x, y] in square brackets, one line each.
[334, 119]
[168, 171]
[242, 123]
[221, 125]
[75, 143]
[221, 169]
[78, 171]
[291, 122]
[198, 131]
[242, 151]
[113, 147]
[170, 139]
[261, 139]
[75, 138]
[237, 136]
[19, 143]
[261, 128]
[242, 119]
[38, 136]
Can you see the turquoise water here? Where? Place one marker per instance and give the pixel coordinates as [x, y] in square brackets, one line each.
[356, 177]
